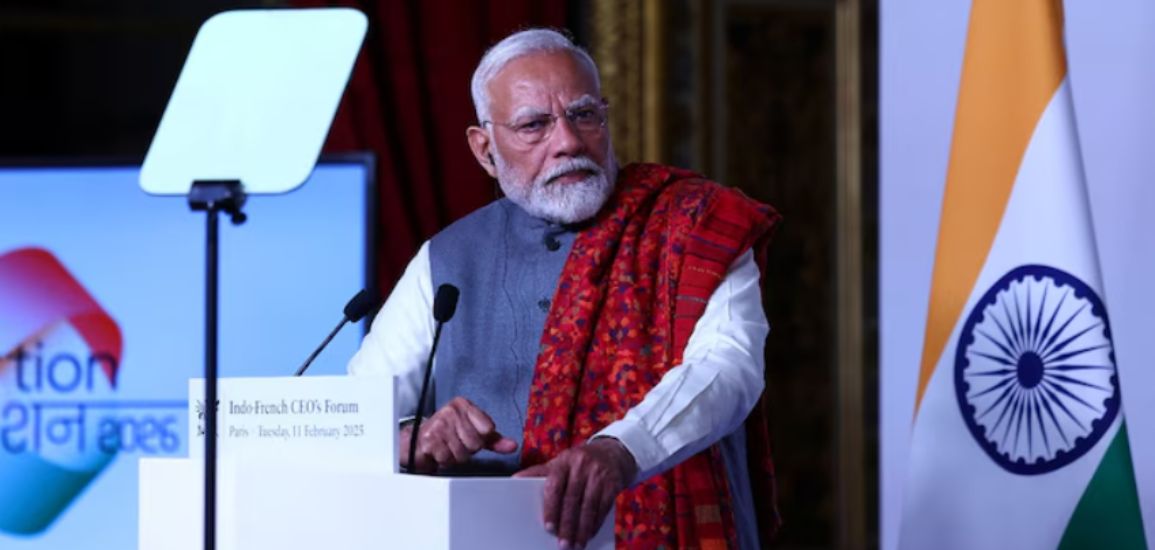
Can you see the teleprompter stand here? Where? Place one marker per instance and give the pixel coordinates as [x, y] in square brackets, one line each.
[213, 197]
[253, 104]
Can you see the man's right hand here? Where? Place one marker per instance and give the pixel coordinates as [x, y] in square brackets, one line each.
[451, 436]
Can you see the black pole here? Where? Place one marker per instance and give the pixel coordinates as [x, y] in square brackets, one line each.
[211, 277]
[412, 467]
[312, 356]
[213, 197]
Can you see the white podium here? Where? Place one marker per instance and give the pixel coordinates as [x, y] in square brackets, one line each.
[309, 463]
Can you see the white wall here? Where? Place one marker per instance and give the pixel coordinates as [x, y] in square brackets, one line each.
[1111, 55]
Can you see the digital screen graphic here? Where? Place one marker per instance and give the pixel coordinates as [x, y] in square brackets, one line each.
[102, 324]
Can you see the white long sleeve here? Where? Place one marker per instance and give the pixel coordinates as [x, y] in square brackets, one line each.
[717, 385]
[694, 405]
[398, 342]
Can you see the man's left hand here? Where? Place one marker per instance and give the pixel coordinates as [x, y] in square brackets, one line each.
[580, 487]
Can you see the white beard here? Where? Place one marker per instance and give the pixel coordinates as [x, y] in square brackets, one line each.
[559, 203]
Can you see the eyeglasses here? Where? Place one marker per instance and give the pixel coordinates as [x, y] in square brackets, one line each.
[533, 129]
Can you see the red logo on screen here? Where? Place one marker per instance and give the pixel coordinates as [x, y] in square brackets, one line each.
[56, 345]
[37, 294]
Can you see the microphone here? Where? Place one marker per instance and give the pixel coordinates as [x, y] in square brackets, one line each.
[358, 307]
[444, 306]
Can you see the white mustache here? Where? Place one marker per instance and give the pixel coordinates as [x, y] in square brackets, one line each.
[570, 165]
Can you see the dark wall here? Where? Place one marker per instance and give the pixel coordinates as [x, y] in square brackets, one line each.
[88, 77]
[91, 77]
[752, 101]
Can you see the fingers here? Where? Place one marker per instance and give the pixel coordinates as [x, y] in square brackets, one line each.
[477, 430]
[452, 435]
[433, 440]
[580, 489]
[423, 462]
[572, 502]
[551, 494]
[469, 439]
[541, 470]
[459, 452]
[478, 420]
[503, 445]
[595, 506]
[555, 487]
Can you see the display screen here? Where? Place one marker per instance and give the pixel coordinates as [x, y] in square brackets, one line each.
[102, 323]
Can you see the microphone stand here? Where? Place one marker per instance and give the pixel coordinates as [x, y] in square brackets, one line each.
[312, 356]
[444, 305]
[421, 400]
[212, 197]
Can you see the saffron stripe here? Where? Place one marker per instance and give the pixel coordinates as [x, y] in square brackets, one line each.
[1012, 67]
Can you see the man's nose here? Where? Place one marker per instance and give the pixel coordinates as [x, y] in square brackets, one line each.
[566, 141]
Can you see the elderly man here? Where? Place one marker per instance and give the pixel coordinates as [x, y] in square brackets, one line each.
[610, 330]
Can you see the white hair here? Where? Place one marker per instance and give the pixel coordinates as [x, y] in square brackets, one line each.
[570, 203]
[521, 44]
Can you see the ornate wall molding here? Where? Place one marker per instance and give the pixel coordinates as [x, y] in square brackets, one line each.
[628, 46]
[768, 96]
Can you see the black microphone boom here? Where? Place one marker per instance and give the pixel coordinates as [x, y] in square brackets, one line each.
[358, 307]
[444, 306]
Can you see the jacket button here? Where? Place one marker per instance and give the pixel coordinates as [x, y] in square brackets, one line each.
[543, 304]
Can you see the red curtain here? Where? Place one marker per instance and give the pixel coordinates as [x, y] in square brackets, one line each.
[409, 103]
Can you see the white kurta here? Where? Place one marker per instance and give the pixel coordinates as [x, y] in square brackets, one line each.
[695, 404]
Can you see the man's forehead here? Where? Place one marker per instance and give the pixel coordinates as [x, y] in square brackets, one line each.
[538, 79]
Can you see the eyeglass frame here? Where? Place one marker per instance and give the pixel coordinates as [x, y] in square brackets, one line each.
[602, 104]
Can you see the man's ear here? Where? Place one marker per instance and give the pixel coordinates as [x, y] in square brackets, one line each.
[479, 143]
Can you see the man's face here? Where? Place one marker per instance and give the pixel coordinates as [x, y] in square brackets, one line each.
[549, 154]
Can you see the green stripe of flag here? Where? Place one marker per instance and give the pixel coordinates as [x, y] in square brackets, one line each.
[1107, 515]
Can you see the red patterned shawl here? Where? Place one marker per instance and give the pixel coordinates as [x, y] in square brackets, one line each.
[632, 289]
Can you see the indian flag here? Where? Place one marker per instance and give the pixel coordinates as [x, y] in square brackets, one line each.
[1019, 439]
